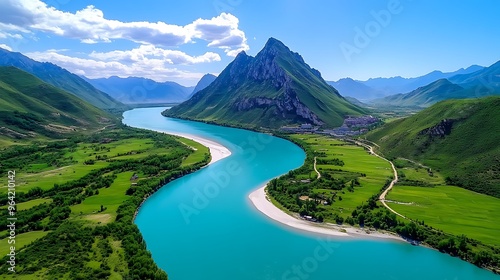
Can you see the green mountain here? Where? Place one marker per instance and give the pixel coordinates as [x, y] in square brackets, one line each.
[459, 138]
[274, 88]
[31, 107]
[61, 78]
[423, 96]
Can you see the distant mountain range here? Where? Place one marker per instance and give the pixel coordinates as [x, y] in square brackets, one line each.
[381, 87]
[30, 107]
[274, 88]
[134, 90]
[459, 138]
[483, 82]
[61, 78]
[204, 82]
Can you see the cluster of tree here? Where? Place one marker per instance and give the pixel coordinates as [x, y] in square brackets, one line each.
[416, 183]
[486, 183]
[333, 161]
[21, 157]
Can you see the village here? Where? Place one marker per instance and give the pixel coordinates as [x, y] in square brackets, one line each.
[352, 126]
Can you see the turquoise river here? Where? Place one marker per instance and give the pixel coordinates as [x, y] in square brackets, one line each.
[204, 227]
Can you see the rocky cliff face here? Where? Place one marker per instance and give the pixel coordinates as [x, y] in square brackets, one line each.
[285, 105]
[439, 130]
[265, 67]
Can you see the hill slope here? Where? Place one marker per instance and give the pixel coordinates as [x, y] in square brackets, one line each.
[274, 88]
[28, 107]
[460, 138]
[134, 90]
[61, 78]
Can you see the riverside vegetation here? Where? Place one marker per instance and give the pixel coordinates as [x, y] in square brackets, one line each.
[352, 180]
[77, 199]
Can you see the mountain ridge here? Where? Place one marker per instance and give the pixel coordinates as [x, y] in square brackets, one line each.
[204, 82]
[30, 106]
[374, 88]
[274, 88]
[484, 82]
[139, 90]
[61, 78]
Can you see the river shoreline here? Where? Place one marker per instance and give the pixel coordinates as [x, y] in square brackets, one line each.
[262, 203]
[217, 152]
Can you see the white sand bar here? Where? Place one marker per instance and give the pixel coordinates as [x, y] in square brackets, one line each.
[217, 150]
[260, 200]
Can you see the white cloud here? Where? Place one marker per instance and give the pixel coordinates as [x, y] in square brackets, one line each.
[5, 47]
[152, 68]
[89, 25]
[150, 51]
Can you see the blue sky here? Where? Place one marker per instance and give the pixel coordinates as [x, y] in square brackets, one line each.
[181, 40]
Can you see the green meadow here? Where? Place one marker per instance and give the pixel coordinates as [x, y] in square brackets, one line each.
[356, 160]
[109, 198]
[199, 151]
[424, 196]
[344, 187]
[28, 204]
[451, 209]
[44, 175]
[22, 240]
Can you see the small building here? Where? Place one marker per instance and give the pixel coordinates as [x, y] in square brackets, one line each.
[306, 126]
[134, 177]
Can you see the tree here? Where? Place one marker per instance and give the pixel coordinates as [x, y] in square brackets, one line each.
[361, 219]
[320, 217]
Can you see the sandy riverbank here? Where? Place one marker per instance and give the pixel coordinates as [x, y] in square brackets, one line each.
[217, 150]
[262, 203]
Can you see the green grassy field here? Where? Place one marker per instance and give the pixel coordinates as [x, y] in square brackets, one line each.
[28, 204]
[45, 176]
[22, 240]
[335, 184]
[110, 198]
[198, 155]
[356, 160]
[451, 209]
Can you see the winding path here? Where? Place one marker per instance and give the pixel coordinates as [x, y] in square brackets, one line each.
[391, 185]
[317, 172]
